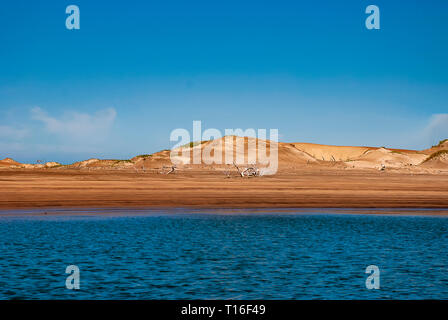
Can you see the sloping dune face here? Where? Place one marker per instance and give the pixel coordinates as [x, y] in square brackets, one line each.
[101, 164]
[442, 145]
[7, 162]
[437, 160]
[225, 151]
[364, 157]
[156, 160]
[85, 163]
[10, 163]
[385, 158]
[437, 156]
[332, 153]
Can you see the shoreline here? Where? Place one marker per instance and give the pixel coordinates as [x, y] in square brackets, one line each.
[134, 212]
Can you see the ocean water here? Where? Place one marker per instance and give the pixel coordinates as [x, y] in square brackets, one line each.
[222, 255]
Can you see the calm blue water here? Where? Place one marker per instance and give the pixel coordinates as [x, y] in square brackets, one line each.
[223, 256]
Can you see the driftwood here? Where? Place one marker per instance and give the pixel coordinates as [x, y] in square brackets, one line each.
[252, 171]
[237, 168]
[171, 169]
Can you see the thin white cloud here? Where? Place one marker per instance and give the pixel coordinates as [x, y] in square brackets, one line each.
[81, 127]
[9, 147]
[11, 133]
[437, 128]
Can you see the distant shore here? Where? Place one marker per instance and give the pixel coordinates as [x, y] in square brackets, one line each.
[310, 188]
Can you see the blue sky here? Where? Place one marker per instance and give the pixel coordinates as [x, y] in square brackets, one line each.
[136, 70]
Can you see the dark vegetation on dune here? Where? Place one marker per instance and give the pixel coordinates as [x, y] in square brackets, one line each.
[441, 142]
[436, 155]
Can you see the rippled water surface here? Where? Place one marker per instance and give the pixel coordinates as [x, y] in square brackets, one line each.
[223, 256]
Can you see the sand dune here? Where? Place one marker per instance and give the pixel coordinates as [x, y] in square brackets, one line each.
[246, 149]
[291, 156]
[442, 145]
[332, 153]
[437, 160]
[8, 162]
[383, 158]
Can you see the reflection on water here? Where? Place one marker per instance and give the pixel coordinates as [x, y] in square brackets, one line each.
[223, 256]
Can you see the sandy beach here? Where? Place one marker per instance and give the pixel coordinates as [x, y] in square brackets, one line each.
[309, 188]
[308, 176]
